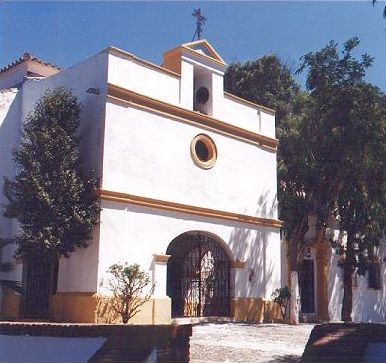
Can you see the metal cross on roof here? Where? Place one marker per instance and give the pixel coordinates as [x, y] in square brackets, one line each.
[200, 21]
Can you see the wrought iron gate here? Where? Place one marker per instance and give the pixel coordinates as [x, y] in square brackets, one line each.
[198, 276]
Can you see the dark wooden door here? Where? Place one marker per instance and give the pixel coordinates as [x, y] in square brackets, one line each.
[307, 287]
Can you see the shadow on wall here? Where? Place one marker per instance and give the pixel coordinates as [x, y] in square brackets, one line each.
[368, 304]
[250, 245]
[9, 141]
[380, 305]
[267, 207]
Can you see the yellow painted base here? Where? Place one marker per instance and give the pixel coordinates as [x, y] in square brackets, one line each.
[154, 311]
[74, 307]
[10, 305]
[89, 307]
[254, 309]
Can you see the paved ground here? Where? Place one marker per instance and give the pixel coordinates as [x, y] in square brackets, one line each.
[237, 342]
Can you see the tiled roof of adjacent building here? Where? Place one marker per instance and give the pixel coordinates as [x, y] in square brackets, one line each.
[25, 57]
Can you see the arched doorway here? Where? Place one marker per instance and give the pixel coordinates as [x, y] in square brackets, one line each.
[198, 276]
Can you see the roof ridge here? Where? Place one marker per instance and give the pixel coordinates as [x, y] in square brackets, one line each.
[27, 56]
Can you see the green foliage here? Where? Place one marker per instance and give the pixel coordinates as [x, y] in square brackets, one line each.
[331, 156]
[269, 82]
[384, 9]
[348, 134]
[281, 296]
[266, 81]
[51, 197]
[127, 284]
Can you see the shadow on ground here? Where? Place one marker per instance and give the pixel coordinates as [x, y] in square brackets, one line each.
[285, 359]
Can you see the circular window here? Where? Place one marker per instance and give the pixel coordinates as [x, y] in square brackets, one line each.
[203, 150]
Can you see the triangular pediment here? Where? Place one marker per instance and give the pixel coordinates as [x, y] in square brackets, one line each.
[203, 47]
[199, 50]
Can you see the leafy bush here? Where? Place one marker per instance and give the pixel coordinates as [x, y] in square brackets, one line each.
[127, 284]
[281, 296]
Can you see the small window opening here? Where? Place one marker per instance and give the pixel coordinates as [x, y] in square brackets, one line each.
[203, 151]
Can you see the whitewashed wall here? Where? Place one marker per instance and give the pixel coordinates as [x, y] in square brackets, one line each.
[10, 113]
[138, 77]
[13, 77]
[247, 117]
[149, 155]
[92, 73]
[127, 72]
[369, 305]
[187, 85]
[133, 234]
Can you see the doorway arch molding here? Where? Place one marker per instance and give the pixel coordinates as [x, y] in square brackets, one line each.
[198, 275]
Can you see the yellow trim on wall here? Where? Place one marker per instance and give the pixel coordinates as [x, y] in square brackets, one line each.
[91, 307]
[237, 264]
[188, 209]
[254, 309]
[74, 306]
[131, 97]
[161, 258]
[10, 304]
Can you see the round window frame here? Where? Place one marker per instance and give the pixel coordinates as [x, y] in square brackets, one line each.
[212, 151]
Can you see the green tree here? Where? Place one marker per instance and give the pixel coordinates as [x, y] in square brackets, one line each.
[127, 284]
[321, 145]
[266, 81]
[384, 9]
[361, 203]
[347, 133]
[51, 197]
[269, 82]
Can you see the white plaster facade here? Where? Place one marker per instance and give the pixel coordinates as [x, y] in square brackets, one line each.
[143, 152]
[369, 304]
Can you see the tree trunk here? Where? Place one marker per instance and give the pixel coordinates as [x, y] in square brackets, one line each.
[348, 269]
[38, 285]
[294, 298]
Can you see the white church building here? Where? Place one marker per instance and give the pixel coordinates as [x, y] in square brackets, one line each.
[187, 190]
[187, 184]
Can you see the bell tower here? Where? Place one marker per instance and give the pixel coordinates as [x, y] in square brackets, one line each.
[202, 71]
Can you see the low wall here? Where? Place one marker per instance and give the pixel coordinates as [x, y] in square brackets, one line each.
[346, 343]
[93, 343]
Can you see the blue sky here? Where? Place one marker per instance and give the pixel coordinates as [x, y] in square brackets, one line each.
[65, 33]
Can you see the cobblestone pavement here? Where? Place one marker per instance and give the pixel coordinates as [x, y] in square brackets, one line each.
[257, 343]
